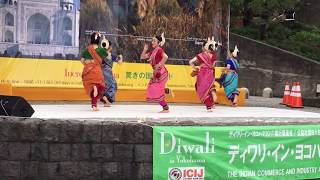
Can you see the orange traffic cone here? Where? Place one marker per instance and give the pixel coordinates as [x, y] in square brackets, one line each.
[296, 101]
[286, 94]
[293, 87]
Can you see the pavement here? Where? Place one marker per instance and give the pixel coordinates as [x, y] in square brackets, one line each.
[256, 101]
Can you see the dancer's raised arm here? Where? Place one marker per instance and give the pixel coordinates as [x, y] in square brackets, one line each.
[145, 55]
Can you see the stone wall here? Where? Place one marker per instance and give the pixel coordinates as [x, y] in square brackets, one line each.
[34, 149]
[104, 149]
[264, 66]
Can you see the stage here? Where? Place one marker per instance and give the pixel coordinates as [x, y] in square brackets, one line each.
[68, 139]
[178, 112]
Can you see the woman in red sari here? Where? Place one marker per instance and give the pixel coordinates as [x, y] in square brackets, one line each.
[157, 58]
[205, 74]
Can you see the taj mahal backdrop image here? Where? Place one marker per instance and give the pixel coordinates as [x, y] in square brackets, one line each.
[39, 28]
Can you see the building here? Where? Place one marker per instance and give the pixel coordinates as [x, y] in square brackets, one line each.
[39, 28]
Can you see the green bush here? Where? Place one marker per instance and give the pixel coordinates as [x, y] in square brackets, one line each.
[311, 38]
[289, 37]
[278, 32]
[306, 44]
[248, 31]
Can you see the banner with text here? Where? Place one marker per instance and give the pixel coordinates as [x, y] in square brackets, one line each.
[236, 152]
[22, 72]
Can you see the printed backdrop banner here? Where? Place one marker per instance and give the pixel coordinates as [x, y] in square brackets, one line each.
[245, 152]
[67, 74]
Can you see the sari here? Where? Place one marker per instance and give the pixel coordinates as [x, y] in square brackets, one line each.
[92, 73]
[110, 82]
[205, 79]
[230, 82]
[157, 83]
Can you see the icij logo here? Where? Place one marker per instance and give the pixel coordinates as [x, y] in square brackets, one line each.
[175, 174]
[186, 173]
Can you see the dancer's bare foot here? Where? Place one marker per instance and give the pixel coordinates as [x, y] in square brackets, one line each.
[214, 96]
[164, 111]
[95, 91]
[210, 109]
[235, 101]
[95, 108]
[106, 102]
[107, 105]
[171, 93]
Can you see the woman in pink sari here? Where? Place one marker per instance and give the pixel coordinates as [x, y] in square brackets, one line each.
[205, 74]
[157, 58]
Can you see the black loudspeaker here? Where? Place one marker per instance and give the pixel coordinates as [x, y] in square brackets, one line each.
[15, 106]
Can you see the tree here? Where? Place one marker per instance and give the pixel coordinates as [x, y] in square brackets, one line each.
[265, 10]
[217, 12]
[168, 7]
[273, 7]
[242, 8]
[95, 15]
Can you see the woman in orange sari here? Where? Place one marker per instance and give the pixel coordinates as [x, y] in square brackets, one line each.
[157, 58]
[92, 76]
[205, 74]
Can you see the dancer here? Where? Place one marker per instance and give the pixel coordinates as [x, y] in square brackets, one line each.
[107, 64]
[229, 80]
[205, 73]
[92, 76]
[156, 88]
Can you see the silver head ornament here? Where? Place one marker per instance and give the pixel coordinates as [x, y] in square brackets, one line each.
[163, 40]
[235, 51]
[211, 42]
[105, 43]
